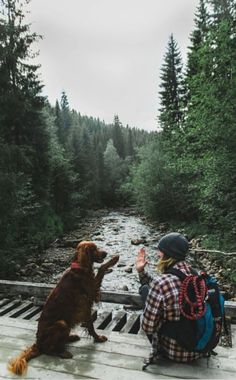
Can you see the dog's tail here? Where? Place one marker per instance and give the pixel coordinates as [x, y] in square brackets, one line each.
[19, 364]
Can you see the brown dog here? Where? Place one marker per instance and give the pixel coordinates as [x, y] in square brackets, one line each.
[68, 304]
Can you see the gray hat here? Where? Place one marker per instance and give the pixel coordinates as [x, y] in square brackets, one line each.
[174, 245]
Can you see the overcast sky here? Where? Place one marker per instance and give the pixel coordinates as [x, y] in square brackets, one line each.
[107, 54]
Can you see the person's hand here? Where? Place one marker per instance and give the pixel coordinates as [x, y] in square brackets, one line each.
[141, 260]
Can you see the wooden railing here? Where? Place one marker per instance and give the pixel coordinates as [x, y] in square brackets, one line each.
[39, 292]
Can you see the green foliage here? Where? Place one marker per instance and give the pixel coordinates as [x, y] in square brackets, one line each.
[56, 164]
[112, 173]
[189, 174]
[172, 89]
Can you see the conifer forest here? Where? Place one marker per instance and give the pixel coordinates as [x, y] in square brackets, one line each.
[56, 164]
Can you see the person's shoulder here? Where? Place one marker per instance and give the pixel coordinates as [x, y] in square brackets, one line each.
[184, 267]
[161, 280]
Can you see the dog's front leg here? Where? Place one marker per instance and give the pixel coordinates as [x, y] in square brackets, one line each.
[97, 338]
[102, 270]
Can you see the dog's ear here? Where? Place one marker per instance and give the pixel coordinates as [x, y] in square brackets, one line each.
[84, 253]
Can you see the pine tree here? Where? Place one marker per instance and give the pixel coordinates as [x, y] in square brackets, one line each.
[210, 122]
[20, 88]
[24, 137]
[63, 118]
[117, 137]
[112, 171]
[172, 90]
[198, 38]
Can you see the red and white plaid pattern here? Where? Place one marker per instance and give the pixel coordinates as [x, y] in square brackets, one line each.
[162, 305]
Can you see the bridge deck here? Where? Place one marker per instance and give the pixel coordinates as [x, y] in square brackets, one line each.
[121, 357]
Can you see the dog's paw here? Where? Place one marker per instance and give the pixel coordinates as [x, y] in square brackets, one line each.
[100, 339]
[66, 355]
[73, 338]
[113, 260]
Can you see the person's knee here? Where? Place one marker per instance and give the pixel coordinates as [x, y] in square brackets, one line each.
[143, 291]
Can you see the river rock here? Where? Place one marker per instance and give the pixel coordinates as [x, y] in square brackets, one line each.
[128, 269]
[121, 264]
[125, 288]
[138, 241]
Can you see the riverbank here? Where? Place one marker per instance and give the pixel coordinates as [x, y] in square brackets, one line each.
[120, 232]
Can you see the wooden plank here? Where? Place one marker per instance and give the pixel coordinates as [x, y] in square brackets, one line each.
[103, 320]
[36, 373]
[4, 301]
[117, 322]
[92, 363]
[30, 289]
[84, 345]
[41, 290]
[9, 306]
[230, 309]
[124, 298]
[36, 317]
[132, 345]
[23, 307]
[21, 326]
[86, 365]
[31, 313]
[132, 324]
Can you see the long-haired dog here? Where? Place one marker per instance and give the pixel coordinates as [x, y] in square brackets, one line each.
[69, 303]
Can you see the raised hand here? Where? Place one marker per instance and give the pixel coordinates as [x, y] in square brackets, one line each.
[141, 260]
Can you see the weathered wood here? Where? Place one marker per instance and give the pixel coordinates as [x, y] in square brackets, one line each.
[40, 291]
[8, 307]
[117, 321]
[4, 301]
[19, 310]
[124, 298]
[13, 288]
[33, 313]
[120, 358]
[103, 320]
[133, 320]
[201, 250]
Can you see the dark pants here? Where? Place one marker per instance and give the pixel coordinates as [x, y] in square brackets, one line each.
[143, 291]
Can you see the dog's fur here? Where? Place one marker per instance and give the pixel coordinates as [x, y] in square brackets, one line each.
[70, 303]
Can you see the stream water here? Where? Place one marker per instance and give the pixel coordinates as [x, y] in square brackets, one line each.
[120, 233]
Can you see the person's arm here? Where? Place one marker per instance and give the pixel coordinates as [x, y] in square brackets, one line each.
[153, 312]
[140, 264]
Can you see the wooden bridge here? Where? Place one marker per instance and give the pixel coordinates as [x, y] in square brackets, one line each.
[121, 357]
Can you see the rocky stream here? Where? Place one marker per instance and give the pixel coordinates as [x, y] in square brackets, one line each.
[120, 232]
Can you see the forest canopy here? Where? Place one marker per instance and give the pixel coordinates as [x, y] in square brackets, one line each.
[55, 164]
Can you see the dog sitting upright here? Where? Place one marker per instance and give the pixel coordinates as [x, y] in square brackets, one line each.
[69, 303]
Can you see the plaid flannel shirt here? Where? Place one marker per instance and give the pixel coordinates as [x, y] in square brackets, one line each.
[162, 305]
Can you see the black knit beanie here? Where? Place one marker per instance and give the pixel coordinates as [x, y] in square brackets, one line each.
[174, 245]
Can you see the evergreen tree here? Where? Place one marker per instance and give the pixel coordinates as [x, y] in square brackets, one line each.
[197, 39]
[63, 118]
[130, 146]
[112, 171]
[117, 137]
[172, 90]
[24, 139]
[210, 122]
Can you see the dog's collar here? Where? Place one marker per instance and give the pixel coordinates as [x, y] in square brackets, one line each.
[75, 265]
